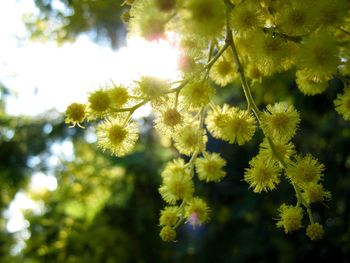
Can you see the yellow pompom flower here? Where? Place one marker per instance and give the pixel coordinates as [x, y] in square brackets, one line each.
[99, 103]
[305, 170]
[169, 216]
[75, 114]
[189, 139]
[318, 56]
[152, 88]
[240, 128]
[280, 121]
[290, 218]
[217, 119]
[119, 96]
[224, 70]
[192, 46]
[332, 12]
[168, 118]
[196, 212]
[147, 20]
[210, 167]
[284, 149]
[152, 28]
[205, 18]
[188, 65]
[231, 124]
[296, 18]
[246, 16]
[314, 192]
[342, 104]
[262, 175]
[270, 54]
[197, 94]
[167, 234]
[116, 137]
[246, 44]
[310, 85]
[176, 187]
[176, 166]
[315, 231]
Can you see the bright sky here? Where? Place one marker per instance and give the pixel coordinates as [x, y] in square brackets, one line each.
[44, 76]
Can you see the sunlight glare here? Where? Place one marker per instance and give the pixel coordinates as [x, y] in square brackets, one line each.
[144, 58]
[40, 182]
[14, 214]
[45, 76]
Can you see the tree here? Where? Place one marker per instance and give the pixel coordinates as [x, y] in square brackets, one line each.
[64, 20]
[260, 39]
[274, 50]
[21, 140]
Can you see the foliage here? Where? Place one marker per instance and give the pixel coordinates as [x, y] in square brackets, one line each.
[266, 37]
[64, 20]
[95, 214]
[21, 139]
[106, 209]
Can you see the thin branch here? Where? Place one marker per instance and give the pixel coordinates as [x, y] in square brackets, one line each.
[250, 101]
[133, 108]
[217, 55]
[344, 30]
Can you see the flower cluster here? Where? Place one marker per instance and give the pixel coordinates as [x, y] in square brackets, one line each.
[231, 124]
[224, 42]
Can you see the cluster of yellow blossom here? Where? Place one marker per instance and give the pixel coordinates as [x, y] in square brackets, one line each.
[226, 41]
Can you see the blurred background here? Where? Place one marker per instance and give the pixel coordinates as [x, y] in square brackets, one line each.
[63, 200]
